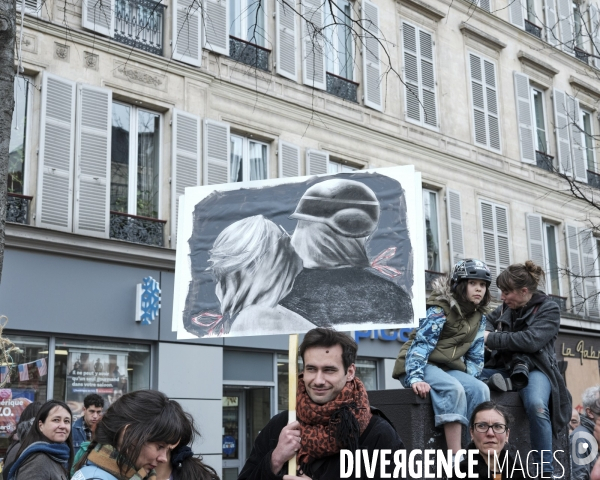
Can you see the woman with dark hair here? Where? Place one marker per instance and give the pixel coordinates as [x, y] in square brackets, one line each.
[521, 335]
[133, 438]
[46, 451]
[23, 426]
[489, 427]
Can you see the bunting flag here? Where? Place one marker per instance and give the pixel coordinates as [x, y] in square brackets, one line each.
[4, 375]
[42, 366]
[23, 372]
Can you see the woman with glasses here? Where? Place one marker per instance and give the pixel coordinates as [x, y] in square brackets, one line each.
[489, 427]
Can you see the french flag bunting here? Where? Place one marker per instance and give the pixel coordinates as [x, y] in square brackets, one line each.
[42, 366]
[24, 373]
[4, 375]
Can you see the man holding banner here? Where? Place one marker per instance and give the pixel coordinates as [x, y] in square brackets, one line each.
[333, 413]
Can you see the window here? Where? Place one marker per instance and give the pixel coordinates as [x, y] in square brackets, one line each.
[248, 21]
[337, 167]
[570, 137]
[135, 161]
[579, 25]
[582, 255]
[496, 253]
[419, 76]
[531, 16]
[586, 122]
[484, 97]
[552, 260]
[432, 237]
[366, 370]
[338, 33]
[539, 117]
[18, 136]
[248, 160]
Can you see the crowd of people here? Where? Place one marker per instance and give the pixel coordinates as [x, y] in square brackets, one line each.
[459, 352]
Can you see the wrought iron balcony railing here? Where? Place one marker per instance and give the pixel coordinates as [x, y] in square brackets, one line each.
[581, 55]
[18, 208]
[545, 161]
[140, 24]
[593, 179]
[533, 29]
[430, 276]
[136, 229]
[249, 53]
[342, 87]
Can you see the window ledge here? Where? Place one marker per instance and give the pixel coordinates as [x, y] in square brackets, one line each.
[585, 87]
[537, 64]
[425, 9]
[480, 35]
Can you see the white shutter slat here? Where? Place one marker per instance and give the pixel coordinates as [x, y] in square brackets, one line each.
[98, 15]
[288, 158]
[54, 203]
[525, 118]
[595, 34]
[92, 161]
[535, 238]
[485, 5]
[187, 31]
[185, 158]
[491, 97]
[565, 14]
[478, 100]
[561, 127]
[578, 148]
[490, 254]
[517, 13]
[313, 44]
[216, 26]
[589, 264]
[316, 162]
[455, 227]
[502, 238]
[216, 152]
[371, 56]
[551, 24]
[574, 261]
[286, 39]
[428, 93]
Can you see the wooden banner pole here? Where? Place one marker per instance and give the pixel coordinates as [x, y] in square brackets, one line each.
[293, 384]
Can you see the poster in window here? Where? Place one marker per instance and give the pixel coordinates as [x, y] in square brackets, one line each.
[12, 403]
[286, 255]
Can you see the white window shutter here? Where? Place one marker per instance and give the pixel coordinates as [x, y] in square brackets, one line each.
[525, 118]
[575, 270]
[313, 44]
[595, 34]
[577, 140]
[99, 16]
[477, 96]
[551, 24]
[455, 227]
[316, 162]
[517, 13]
[286, 39]
[565, 15]
[561, 127]
[54, 203]
[491, 96]
[288, 158]
[485, 5]
[496, 250]
[92, 161]
[484, 95]
[216, 26]
[216, 152]
[411, 72]
[502, 238]
[372, 78]
[535, 238]
[185, 161]
[427, 70]
[187, 31]
[32, 7]
[589, 263]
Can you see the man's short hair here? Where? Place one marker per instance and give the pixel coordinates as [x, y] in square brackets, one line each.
[327, 337]
[591, 399]
[93, 399]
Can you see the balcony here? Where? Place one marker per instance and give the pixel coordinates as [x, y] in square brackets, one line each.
[544, 161]
[249, 53]
[581, 55]
[18, 208]
[140, 24]
[533, 29]
[342, 87]
[136, 229]
[561, 301]
[593, 179]
[430, 276]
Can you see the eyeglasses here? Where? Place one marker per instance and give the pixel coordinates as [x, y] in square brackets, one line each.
[484, 427]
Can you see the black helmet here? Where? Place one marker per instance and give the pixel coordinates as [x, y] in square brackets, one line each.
[349, 207]
[470, 269]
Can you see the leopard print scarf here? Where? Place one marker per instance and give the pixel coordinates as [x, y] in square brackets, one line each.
[326, 429]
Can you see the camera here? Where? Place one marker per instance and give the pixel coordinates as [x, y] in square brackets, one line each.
[520, 375]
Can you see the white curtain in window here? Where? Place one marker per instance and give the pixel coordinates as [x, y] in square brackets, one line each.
[258, 161]
[235, 174]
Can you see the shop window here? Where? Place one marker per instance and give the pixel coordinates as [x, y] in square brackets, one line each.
[432, 236]
[366, 370]
[282, 382]
[28, 382]
[108, 369]
[248, 159]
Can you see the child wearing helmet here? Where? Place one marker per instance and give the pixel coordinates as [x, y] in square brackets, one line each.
[444, 356]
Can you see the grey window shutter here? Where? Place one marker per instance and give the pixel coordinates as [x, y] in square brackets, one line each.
[484, 95]
[185, 158]
[216, 152]
[187, 31]
[535, 239]
[455, 227]
[371, 56]
[589, 263]
[551, 23]
[54, 203]
[595, 34]
[92, 161]
[98, 15]
[577, 140]
[286, 39]
[313, 44]
[316, 162]
[575, 270]
[525, 118]
[517, 13]
[565, 14]
[561, 127]
[216, 26]
[288, 158]
[496, 251]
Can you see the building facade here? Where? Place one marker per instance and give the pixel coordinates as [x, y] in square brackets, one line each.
[121, 104]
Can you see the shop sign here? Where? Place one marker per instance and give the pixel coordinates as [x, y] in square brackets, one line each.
[395, 335]
[147, 301]
[228, 445]
[579, 348]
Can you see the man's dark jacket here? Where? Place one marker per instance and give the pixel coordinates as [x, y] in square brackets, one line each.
[379, 434]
